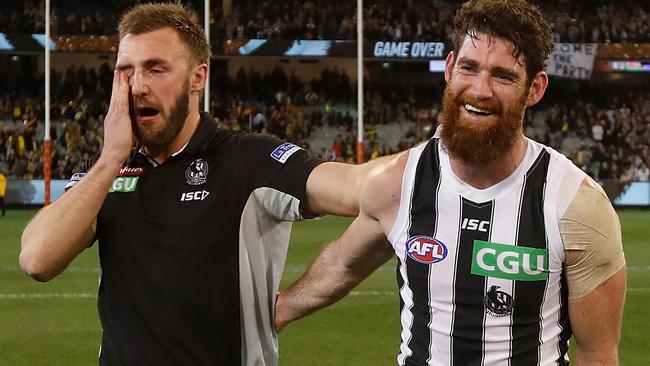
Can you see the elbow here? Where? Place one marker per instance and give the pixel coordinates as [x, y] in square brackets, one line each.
[351, 210]
[35, 266]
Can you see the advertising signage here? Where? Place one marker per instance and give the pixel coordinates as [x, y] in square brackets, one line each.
[405, 50]
[630, 66]
[424, 50]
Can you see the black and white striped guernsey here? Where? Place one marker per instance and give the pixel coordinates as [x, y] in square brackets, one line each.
[480, 271]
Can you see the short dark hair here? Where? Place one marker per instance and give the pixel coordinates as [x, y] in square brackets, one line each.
[144, 18]
[514, 20]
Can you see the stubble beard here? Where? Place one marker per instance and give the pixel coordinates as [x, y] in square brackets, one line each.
[174, 122]
[479, 144]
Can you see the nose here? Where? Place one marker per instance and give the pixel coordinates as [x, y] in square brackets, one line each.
[139, 87]
[481, 88]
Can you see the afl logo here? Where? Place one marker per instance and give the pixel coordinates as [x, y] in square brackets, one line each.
[425, 249]
[197, 172]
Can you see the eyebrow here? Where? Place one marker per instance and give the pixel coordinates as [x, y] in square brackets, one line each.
[147, 64]
[467, 62]
[507, 73]
[497, 70]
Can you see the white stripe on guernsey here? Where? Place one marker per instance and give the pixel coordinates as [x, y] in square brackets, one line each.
[519, 201]
[397, 237]
[496, 333]
[556, 181]
[442, 273]
[408, 179]
[406, 317]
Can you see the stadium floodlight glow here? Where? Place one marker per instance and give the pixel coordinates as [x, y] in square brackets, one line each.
[40, 38]
[251, 46]
[4, 43]
[437, 66]
[309, 48]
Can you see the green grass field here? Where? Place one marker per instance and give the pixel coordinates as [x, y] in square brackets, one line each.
[56, 323]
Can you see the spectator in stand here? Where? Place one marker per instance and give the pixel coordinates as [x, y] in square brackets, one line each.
[3, 191]
[259, 121]
[577, 21]
[610, 120]
[642, 173]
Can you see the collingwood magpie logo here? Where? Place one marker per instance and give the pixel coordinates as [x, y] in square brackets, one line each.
[197, 172]
[498, 303]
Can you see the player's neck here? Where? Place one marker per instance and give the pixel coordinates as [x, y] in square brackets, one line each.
[486, 175]
[183, 137]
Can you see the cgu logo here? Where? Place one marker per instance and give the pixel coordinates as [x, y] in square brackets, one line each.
[425, 249]
[509, 261]
[124, 184]
[474, 224]
[194, 196]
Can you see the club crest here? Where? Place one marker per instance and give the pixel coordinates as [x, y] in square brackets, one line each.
[197, 172]
[498, 303]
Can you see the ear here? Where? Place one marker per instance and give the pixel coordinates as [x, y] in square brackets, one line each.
[537, 89]
[449, 65]
[199, 77]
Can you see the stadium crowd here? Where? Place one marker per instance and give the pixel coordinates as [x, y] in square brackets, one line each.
[572, 21]
[605, 130]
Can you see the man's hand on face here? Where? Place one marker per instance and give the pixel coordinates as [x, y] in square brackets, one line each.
[118, 133]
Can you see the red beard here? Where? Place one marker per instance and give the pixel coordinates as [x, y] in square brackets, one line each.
[480, 143]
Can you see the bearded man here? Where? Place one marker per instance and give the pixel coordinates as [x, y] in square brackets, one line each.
[504, 248]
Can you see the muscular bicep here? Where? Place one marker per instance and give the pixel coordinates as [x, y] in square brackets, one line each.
[596, 321]
[335, 188]
[595, 273]
[332, 188]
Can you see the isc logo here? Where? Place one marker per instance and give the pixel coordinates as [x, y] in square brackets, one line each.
[425, 249]
[194, 196]
[474, 224]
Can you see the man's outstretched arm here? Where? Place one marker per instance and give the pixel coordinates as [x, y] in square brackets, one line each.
[339, 268]
[335, 188]
[347, 261]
